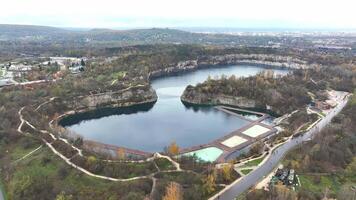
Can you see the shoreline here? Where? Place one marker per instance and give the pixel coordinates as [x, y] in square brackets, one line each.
[227, 151]
[165, 73]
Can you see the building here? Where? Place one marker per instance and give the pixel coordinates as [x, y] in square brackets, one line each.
[285, 176]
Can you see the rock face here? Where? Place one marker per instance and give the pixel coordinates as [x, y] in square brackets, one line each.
[232, 59]
[258, 59]
[145, 94]
[193, 97]
[183, 66]
[122, 98]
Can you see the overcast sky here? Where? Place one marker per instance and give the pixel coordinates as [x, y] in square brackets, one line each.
[335, 14]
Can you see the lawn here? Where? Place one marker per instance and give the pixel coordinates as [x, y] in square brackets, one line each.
[246, 171]
[19, 152]
[43, 175]
[254, 162]
[45, 172]
[318, 184]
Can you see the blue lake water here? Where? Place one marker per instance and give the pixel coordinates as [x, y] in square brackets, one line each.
[152, 127]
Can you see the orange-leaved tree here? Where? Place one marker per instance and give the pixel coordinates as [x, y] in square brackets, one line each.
[173, 192]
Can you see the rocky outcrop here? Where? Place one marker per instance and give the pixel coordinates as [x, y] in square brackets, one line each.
[233, 59]
[191, 96]
[257, 59]
[183, 66]
[123, 98]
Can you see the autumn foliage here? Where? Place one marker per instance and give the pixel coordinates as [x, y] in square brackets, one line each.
[173, 192]
[173, 148]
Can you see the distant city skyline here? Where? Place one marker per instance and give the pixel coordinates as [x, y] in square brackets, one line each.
[254, 14]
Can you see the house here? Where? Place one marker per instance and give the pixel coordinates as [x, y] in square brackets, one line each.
[284, 176]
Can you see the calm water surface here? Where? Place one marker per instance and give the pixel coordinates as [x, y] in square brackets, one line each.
[152, 127]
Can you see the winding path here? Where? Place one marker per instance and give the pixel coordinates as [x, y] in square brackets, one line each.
[245, 182]
[67, 160]
[231, 191]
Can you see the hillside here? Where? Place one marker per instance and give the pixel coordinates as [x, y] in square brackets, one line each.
[121, 37]
[12, 32]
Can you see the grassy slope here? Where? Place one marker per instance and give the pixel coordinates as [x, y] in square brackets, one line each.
[246, 171]
[254, 162]
[45, 174]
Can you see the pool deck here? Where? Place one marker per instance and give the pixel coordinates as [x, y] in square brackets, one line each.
[239, 132]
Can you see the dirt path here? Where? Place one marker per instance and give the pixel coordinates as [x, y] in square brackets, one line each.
[44, 103]
[69, 162]
[27, 155]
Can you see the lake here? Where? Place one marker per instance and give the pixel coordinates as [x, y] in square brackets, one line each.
[152, 127]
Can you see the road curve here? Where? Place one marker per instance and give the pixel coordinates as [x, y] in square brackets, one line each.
[241, 185]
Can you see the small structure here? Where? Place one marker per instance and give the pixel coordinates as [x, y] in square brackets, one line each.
[76, 69]
[285, 176]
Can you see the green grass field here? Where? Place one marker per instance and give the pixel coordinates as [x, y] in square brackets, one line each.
[246, 171]
[318, 184]
[254, 162]
[43, 175]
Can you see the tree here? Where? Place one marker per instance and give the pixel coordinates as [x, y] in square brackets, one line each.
[281, 192]
[173, 192]
[91, 160]
[121, 154]
[173, 148]
[347, 192]
[63, 196]
[82, 62]
[209, 184]
[227, 172]
[256, 148]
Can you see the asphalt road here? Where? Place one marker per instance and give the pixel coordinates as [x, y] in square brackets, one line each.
[253, 177]
[1, 195]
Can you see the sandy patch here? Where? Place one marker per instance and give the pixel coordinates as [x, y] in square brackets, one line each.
[256, 131]
[234, 141]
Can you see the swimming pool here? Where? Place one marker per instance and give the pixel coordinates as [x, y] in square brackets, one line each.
[209, 154]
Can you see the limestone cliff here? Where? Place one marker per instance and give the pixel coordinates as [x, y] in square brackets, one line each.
[127, 97]
[192, 96]
[233, 59]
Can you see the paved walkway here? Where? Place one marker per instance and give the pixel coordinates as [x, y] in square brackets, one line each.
[1, 195]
